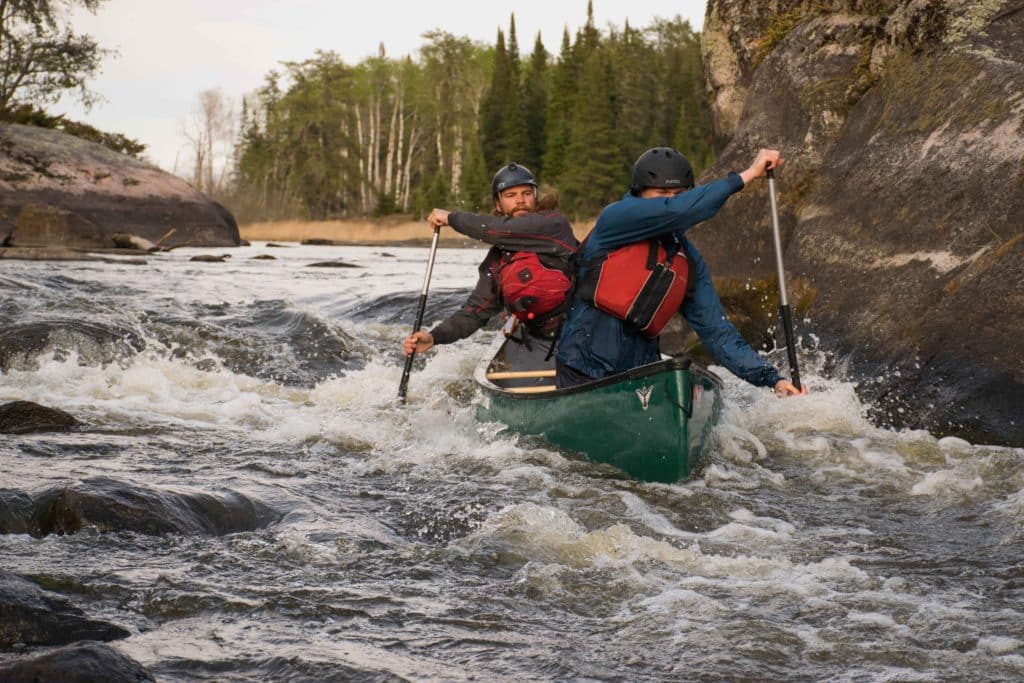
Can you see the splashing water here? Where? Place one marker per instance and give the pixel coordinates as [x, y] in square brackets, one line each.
[414, 543]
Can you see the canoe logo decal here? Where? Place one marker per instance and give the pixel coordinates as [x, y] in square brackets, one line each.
[645, 396]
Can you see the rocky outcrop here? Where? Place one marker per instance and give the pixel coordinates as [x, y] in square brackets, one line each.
[902, 122]
[58, 190]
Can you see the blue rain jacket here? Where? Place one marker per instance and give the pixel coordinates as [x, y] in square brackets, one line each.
[597, 344]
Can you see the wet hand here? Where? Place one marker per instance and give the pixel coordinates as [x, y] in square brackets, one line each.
[420, 341]
[784, 389]
[438, 218]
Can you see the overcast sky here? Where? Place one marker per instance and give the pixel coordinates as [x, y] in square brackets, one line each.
[169, 51]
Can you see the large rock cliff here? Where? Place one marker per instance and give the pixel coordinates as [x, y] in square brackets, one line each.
[58, 190]
[901, 202]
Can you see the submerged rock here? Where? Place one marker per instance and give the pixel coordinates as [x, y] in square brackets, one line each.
[333, 264]
[321, 242]
[15, 512]
[32, 616]
[81, 663]
[59, 190]
[93, 343]
[111, 505]
[900, 200]
[22, 417]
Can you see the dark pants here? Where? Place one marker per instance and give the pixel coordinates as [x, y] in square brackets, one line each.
[566, 376]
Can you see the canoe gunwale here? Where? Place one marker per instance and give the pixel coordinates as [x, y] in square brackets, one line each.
[663, 366]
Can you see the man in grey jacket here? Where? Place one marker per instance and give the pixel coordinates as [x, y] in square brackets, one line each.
[517, 227]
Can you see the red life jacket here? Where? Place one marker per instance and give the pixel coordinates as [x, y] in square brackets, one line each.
[530, 289]
[639, 283]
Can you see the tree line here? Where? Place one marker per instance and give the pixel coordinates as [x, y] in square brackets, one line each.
[323, 139]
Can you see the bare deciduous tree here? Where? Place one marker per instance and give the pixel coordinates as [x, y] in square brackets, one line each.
[211, 134]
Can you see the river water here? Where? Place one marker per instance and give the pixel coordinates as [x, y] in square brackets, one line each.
[412, 543]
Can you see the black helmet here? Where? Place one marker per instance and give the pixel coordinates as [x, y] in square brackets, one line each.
[661, 167]
[510, 176]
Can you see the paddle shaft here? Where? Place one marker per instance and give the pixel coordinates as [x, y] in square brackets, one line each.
[784, 312]
[419, 313]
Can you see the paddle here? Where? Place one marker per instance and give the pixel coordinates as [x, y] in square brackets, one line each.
[419, 314]
[787, 318]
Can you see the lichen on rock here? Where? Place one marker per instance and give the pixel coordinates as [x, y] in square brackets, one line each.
[902, 122]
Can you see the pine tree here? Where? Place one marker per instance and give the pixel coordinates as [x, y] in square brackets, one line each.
[535, 100]
[559, 111]
[476, 183]
[514, 110]
[494, 136]
[594, 173]
[638, 87]
[684, 113]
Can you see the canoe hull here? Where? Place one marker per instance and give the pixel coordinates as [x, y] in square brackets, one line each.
[652, 422]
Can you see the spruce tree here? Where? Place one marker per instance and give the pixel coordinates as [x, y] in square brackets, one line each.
[476, 183]
[514, 111]
[559, 111]
[594, 173]
[494, 136]
[535, 100]
[638, 101]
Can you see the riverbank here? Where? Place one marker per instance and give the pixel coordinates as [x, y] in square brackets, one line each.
[364, 231]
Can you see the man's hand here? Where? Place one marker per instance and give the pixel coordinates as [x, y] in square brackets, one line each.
[421, 341]
[765, 159]
[438, 218]
[784, 389]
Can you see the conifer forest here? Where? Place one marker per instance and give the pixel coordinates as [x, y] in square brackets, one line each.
[322, 139]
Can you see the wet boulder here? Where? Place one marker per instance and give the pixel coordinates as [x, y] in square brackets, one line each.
[94, 343]
[110, 505]
[210, 258]
[900, 200]
[32, 616]
[23, 417]
[59, 190]
[337, 263]
[79, 663]
[323, 242]
[15, 512]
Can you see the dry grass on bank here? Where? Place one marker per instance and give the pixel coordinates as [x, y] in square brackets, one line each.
[355, 231]
[358, 231]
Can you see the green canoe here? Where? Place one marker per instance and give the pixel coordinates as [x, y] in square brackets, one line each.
[651, 422]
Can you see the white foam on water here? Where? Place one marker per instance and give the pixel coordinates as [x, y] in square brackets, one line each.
[999, 645]
[549, 535]
[946, 483]
[144, 390]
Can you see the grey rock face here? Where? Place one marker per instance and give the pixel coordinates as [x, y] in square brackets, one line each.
[58, 190]
[903, 127]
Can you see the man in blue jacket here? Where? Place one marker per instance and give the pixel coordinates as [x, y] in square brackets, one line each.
[661, 206]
